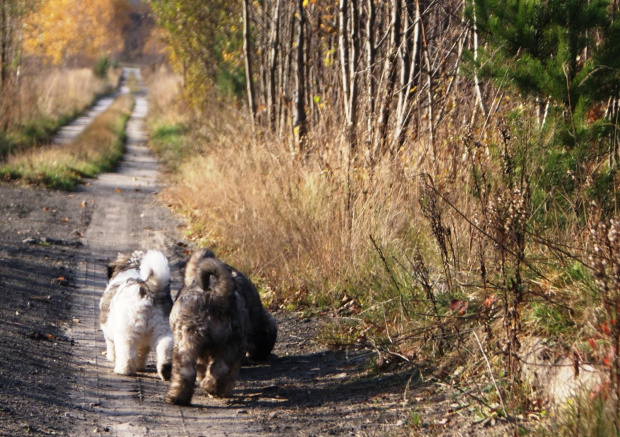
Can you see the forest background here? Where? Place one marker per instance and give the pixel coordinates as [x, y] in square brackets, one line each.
[438, 177]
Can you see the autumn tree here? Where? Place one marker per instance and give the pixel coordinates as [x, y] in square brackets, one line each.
[12, 13]
[205, 43]
[377, 72]
[62, 30]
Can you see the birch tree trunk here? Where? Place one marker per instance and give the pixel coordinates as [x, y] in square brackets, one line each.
[479, 98]
[343, 43]
[274, 43]
[370, 74]
[247, 51]
[389, 74]
[300, 124]
[349, 51]
[408, 74]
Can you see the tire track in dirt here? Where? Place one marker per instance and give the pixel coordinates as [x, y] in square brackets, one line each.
[126, 217]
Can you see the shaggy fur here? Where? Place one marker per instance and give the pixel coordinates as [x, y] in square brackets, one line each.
[209, 322]
[263, 329]
[134, 312]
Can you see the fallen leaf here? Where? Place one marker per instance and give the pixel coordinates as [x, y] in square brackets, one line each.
[605, 328]
[489, 301]
[463, 309]
[455, 304]
[459, 305]
[118, 190]
[592, 343]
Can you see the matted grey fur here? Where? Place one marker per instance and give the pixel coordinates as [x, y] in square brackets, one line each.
[209, 322]
[263, 330]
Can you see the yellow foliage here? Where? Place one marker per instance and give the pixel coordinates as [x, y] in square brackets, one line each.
[64, 28]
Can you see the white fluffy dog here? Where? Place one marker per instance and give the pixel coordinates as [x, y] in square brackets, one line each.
[134, 311]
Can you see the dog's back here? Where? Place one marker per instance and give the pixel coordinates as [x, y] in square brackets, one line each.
[208, 296]
[150, 269]
[263, 329]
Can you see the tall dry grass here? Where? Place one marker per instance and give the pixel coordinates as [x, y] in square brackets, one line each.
[46, 100]
[291, 225]
[164, 89]
[410, 256]
[99, 148]
[61, 91]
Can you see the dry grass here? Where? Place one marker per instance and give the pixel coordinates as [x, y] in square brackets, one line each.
[63, 91]
[410, 256]
[97, 149]
[287, 223]
[47, 100]
[164, 88]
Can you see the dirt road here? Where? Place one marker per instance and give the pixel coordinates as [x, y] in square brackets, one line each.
[54, 378]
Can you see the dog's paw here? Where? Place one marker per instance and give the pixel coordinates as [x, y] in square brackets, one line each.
[124, 369]
[175, 400]
[165, 372]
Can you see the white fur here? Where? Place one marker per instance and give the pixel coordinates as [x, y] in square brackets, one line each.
[136, 324]
[155, 262]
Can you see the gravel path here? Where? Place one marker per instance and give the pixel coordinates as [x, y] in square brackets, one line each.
[127, 217]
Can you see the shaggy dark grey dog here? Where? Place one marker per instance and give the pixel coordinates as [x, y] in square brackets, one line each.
[263, 330]
[209, 322]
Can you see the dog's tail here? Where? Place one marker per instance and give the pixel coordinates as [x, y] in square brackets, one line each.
[192, 264]
[155, 271]
[214, 276]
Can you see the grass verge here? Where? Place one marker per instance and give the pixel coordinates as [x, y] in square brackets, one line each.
[48, 101]
[98, 149]
[458, 262]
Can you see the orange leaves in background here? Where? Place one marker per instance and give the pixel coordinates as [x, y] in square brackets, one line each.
[60, 29]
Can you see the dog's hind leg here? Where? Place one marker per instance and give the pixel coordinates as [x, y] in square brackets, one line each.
[163, 349]
[183, 376]
[143, 353]
[220, 379]
[201, 368]
[126, 358]
[110, 355]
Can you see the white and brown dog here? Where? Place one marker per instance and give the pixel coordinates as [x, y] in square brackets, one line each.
[134, 311]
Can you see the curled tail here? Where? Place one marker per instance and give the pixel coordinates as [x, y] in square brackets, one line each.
[155, 271]
[213, 276]
[192, 264]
